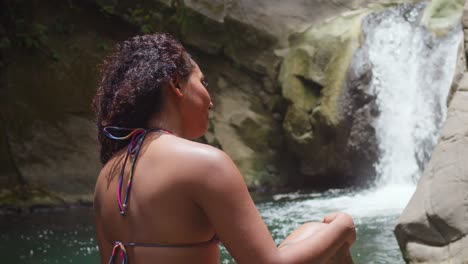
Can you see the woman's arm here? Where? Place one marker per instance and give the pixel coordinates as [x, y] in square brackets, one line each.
[219, 189]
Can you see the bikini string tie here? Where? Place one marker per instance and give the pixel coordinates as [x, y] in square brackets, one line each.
[118, 248]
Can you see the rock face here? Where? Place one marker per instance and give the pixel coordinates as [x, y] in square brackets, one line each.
[322, 121]
[49, 76]
[48, 138]
[434, 226]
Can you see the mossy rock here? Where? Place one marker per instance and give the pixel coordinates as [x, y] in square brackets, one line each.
[297, 125]
[314, 70]
[313, 79]
[441, 16]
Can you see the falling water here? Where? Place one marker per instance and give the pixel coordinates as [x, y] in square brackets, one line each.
[412, 71]
[411, 77]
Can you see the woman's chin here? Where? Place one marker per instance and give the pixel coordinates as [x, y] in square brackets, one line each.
[196, 134]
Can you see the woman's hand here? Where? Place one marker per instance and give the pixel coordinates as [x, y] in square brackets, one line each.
[345, 221]
[342, 256]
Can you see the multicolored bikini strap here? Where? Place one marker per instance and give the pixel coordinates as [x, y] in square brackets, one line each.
[118, 247]
[136, 136]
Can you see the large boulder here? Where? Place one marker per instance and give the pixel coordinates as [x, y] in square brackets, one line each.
[433, 228]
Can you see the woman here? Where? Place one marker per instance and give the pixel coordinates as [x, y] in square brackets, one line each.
[161, 198]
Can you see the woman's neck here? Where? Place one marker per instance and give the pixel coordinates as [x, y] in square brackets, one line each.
[167, 123]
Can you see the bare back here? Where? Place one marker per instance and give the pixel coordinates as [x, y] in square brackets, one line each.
[159, 209]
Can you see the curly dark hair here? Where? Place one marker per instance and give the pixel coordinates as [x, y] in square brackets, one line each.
[132, 79]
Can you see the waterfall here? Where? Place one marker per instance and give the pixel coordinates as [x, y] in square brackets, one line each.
[412, 71]
[411, 76]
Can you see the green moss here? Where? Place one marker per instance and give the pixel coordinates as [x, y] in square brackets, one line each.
[147, 19]
[61, 77]
[255, 132]
[297, 124]
[217, 9]
[259, 173]
[106, 6]
[149, 16]
[441, 16]
[25, 197]
[314, 70]
[199, 30]
[295, 68]
[243, 43]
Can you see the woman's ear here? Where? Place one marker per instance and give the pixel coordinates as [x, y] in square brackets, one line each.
[174, 85]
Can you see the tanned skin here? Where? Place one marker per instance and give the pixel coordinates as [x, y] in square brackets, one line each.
[185, 192]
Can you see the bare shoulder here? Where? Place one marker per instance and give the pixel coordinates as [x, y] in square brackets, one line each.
[181, 147]
[197, 158]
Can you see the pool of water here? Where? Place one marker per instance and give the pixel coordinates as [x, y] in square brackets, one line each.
[62, 236]
[67, 236]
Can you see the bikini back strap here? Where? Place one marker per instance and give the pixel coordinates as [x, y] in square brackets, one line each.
[119, 247]
[136, 137]
[213, 240]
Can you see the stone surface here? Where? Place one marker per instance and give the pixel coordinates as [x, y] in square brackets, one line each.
[465, 26]
[327, 121]
[277, 18]
[242, 123]
[434, 226]
[460, 70]
[46, 121]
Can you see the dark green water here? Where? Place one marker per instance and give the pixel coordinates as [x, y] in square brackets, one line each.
[67, 236]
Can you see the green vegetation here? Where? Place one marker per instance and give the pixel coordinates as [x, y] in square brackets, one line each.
[23, 31]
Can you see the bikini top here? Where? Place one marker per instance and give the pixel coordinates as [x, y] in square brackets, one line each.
[136, 137]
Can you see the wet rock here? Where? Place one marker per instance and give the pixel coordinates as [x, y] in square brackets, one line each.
[323, 93]
[433, 227]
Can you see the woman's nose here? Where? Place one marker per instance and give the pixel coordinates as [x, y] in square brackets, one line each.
[210, 107]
